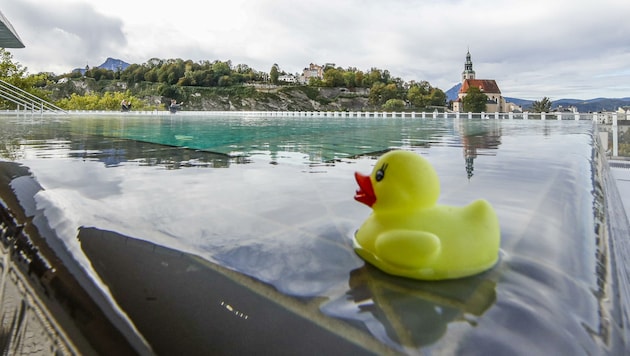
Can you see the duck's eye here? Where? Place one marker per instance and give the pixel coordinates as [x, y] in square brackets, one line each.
[380, 174]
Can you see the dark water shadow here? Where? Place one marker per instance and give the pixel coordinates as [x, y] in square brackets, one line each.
[185, 305]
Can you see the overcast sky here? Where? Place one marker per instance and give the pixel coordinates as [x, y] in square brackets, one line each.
[535, 48]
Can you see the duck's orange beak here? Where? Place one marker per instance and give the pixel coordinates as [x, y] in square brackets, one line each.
[365, 193]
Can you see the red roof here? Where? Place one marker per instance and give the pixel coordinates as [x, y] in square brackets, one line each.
[485, 85]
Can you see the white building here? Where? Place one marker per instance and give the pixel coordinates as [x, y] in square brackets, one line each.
[288, 78]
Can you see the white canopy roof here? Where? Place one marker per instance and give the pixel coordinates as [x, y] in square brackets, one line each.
[8, 37]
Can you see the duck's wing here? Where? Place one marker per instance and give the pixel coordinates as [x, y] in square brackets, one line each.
[407, 248]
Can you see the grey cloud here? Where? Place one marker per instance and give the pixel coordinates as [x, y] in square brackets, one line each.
[67, 35]
[531, 48]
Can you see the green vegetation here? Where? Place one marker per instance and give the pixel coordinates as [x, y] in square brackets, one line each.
[475, 100]
[394, 105]
[153, 84]
[16, 75]
[106, 101]
[310, 92]
[274, 74]
[422, 95]
[544, 105]
[624, 143]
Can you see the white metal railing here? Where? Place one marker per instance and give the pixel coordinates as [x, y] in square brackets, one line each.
[602, 118]
[610, 119]
[25, 100]
[606, 117]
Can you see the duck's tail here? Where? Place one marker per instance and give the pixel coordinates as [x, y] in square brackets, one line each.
[480, 210]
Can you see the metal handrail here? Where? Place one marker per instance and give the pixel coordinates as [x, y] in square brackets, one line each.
[26, 100]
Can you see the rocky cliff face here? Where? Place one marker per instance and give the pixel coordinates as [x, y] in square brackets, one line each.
[267, 98]
[259, 97]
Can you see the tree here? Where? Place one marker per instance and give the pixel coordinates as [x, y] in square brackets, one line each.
[95, 101]
[475, 100]
[358, 78]
[151, 75]
[375, 94]
[437, 97]
[380, 93]
[170, 91]
[544, 105]
[315, 82]
[417, 94]
[349, 79]
[225, 81]
[374, 76]
[333, 77]
[15, 74]
[394, 105]
[9, 69]
[222, 68]
[99, 73]
[273, 74]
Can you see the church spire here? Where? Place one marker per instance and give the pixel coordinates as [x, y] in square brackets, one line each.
[468, 72]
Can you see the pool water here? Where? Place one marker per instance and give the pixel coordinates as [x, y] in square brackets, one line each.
[311, 140]
[152, 213]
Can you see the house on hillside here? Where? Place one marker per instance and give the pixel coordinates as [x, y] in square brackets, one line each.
[496, 102]
[288, 78]
[313, 71]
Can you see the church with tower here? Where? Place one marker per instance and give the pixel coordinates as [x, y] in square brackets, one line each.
[496, 102]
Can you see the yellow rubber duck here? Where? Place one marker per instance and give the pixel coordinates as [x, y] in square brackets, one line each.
[408, 234]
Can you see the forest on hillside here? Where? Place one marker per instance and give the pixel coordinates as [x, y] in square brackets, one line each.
[157, 81]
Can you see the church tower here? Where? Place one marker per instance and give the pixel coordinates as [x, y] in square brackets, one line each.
[496, 102]
[468, 72]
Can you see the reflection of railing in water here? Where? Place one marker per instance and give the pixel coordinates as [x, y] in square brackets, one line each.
[26, 326]
[616, 133]
[43, 305]
[615, 129]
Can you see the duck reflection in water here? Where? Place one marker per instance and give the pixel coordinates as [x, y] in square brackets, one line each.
[411, 313]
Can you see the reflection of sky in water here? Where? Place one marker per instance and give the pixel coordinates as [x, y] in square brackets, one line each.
[285, 215]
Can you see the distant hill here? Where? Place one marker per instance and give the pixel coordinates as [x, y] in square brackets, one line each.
[590, 105]
[524, 103]
[593, 105]
[451, 94]
[114, 64]
[110, 63]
